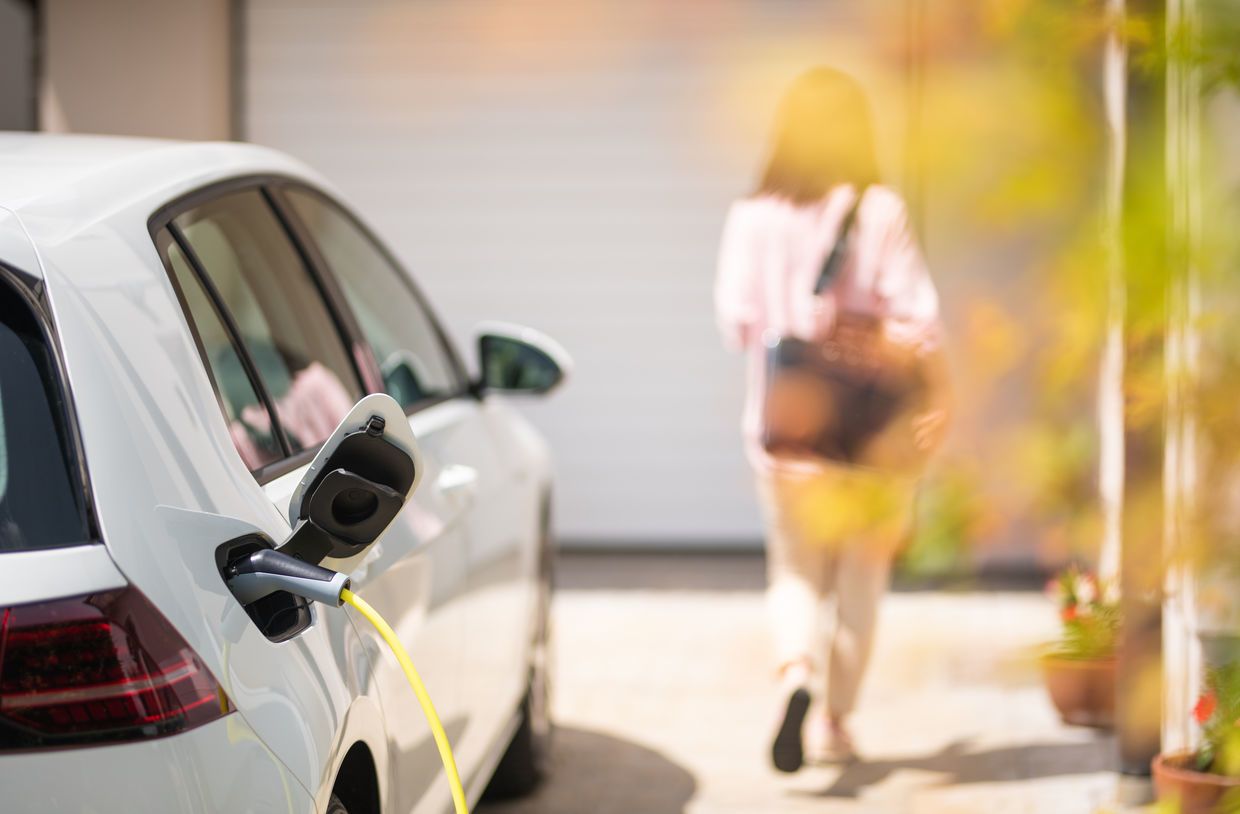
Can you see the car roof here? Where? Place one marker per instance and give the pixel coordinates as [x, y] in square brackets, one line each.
[76, 181]
[36, 166]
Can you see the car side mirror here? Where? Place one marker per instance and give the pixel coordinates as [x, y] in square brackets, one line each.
[357, 483]
[515, 359]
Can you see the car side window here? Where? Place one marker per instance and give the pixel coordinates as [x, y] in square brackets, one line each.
[41, 501]
[416, 364]
[278, 311]
[249, 422]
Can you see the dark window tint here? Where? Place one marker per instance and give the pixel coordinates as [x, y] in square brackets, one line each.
[279, 312]
[416, 365]
[41, 503]
[249, 422]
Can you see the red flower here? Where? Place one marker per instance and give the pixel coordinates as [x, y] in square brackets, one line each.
[1068, 613]
[1205, 707]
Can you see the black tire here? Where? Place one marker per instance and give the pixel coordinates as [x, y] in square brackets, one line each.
[524, 766]
[334, 806]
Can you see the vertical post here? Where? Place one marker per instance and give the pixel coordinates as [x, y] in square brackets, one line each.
[237, 68]
[1139, 693]
[1111, 369]
[1181, 649]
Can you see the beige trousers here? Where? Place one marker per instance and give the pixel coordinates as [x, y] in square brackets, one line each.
[832, 534]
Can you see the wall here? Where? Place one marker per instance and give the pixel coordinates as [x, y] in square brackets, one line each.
[137, 67]
[568, 164]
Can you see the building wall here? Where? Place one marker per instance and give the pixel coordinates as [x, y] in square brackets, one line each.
[568, 164]
[137, 67]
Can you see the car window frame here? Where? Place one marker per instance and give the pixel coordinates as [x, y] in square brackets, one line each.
[363, 366]
[230, 328]
[464, 387]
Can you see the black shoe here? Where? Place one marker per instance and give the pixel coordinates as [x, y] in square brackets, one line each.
[787, 753]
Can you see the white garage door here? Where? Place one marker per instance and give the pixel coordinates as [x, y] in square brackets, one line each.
[567, 165]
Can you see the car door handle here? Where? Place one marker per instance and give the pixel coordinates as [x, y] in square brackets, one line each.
[457, 479]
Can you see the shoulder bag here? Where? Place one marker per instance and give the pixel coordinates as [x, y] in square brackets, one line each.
[850, 398]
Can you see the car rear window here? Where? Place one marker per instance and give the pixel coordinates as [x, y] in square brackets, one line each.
[41, 501]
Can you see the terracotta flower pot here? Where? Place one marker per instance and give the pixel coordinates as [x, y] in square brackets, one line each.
[1083, 690]
[1197, 792]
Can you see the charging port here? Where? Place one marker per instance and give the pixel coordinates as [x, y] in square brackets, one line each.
[281, 615]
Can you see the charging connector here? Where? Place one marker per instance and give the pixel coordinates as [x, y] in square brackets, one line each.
[264, 572]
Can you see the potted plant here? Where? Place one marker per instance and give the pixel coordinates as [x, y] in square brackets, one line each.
[1079, 669]
[1207, 779]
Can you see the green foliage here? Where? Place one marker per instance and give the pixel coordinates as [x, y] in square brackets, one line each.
[1161, 807]
[1218, 712]
[1210, 48]
[1090, 636]
[1090, 614]
[949, 514]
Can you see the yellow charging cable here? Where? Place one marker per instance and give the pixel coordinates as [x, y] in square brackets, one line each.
[441, 737]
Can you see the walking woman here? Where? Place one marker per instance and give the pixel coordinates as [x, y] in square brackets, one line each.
[832, 529]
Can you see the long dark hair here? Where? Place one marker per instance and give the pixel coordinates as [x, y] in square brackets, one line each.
[824, 136]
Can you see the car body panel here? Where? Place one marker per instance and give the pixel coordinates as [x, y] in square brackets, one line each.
[500, 593]
[222, 766]
[74, 570]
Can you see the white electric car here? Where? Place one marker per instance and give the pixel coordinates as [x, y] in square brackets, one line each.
[183, 328]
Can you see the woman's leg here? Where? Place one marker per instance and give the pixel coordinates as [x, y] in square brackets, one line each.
[796, 577]
[796, 571]
[862, 574]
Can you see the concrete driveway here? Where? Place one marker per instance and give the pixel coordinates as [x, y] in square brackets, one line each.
[665, 702]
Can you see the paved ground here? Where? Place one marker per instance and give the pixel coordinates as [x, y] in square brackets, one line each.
[664, 701]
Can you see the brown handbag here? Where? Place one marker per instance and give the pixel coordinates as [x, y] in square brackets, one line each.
[850, 398]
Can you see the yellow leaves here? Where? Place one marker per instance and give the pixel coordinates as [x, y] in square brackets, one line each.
[1144, 390]
[1054, 463]
[993, 340]
[1141, 705]
[1227, 758]
[954, 517]
[842, 505]
[1139, 31]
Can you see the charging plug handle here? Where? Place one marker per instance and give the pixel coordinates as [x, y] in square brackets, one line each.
[265, 572]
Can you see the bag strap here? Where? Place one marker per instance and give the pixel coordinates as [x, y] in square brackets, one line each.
[834, 261]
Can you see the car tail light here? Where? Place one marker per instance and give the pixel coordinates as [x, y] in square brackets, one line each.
[103, 667]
